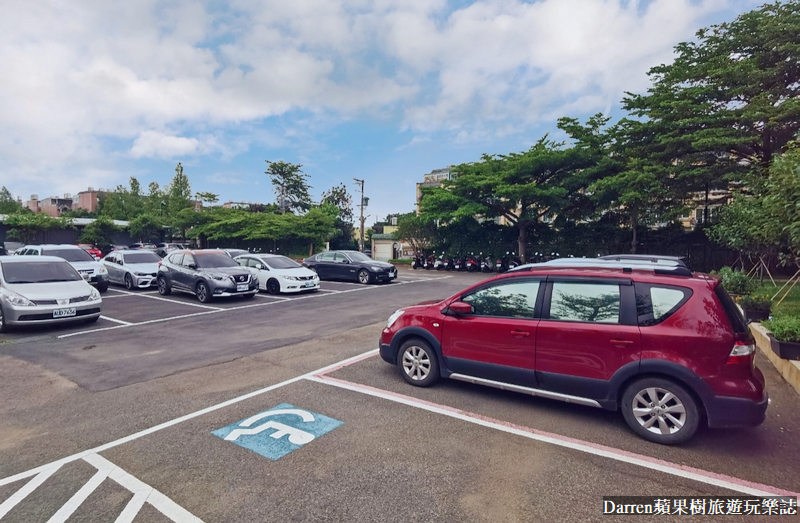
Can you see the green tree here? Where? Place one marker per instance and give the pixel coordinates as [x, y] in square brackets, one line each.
[730, 101]
[8, 205]
[523, 188]
[123, 203]
[342, 200]
[418, 231]
[26, 226]
[290, 185]
[146, 228]
[101, 233]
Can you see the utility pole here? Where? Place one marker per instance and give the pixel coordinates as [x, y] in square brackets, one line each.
[361, 206]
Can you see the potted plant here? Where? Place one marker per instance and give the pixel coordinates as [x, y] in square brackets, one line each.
[735, 282]
[785, 336]
[756, 307]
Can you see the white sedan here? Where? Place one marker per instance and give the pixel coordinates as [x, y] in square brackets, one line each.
[278, 273]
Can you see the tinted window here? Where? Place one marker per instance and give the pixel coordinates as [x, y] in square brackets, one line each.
[731, 311]
[325, 256]
[281, 262]
[510, 300]
[359, 257]
[655, 303]
[142, 257]
[188, 260]
[585, 302]
[39, 272]
[71, 255]
[208, 260]
[177, 259]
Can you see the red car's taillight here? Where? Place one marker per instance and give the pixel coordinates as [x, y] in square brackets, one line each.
[743, 353]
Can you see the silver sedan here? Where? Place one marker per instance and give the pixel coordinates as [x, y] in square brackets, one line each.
[36, 290]
[135, 269]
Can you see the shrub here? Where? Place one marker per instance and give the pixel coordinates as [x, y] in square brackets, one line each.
[784, 328]
[735, 282]
[755, 302]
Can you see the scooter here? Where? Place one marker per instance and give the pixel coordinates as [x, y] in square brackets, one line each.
[429, 262]
[472, 264]
[458, 263]
[448, 263]
[487, 264]
[439, 263]
[417, 262]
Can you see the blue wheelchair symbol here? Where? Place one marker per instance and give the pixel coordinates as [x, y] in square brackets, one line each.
[286, 428]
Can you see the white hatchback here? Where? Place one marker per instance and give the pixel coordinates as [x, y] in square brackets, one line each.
[278, 273]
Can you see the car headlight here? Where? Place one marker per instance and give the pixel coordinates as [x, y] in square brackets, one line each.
[220, 277]
[394, 317]
[376, 267]
[15, 299]
[102, 270]
[294, 278]
[94, 295]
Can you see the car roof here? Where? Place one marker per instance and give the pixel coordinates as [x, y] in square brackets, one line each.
[131, 251]
[662, 267]
[53, 245]
[31, 259]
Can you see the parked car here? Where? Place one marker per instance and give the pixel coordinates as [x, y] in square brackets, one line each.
[133, 269]
[278, 273]
[206, 273]
[350, 265]
[233, 253]
[43, 290]
[12, 247]
[137, 246]
[666, 347]
[164, 248]
[92, 270]
[91, 249]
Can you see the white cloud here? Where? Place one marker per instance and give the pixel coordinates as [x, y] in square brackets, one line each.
[86, 82]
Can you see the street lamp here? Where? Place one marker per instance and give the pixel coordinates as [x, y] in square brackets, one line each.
[361, 206]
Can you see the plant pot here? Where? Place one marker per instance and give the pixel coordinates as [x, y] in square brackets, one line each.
[755, 315]
[787, 350]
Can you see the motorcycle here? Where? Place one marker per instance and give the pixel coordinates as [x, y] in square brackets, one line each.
[417, 262]
[458, 263]
[472, 264]
[448, 263]
[439, 263]
[429, 262]
[487, 264]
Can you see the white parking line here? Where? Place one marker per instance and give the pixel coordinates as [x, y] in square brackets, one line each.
[142, 295]
[272, 296]
[215, 310]
[683, 471]
[115, 320]
[49, 468]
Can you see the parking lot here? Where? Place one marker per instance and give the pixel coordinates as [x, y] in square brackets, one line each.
[134, 418]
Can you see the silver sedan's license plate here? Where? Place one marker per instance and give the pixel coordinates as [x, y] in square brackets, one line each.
[242, 287]
[64, 313]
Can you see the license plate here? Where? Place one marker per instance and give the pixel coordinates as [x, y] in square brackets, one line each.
[242, 287]
[393, 274]
[309, 284]
[63, 313]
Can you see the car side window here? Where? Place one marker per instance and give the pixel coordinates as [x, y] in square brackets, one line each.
[326, 256]
[509, 300]
[188, 260]
[585, 302]
[176, 259]
[656, 303]
[111, 258]
[339, 258]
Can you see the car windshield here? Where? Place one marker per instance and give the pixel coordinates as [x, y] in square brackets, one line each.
[281, 262]
[142, 257]
[359, 257]
[209, 260]
[71, 255]
[39, 272]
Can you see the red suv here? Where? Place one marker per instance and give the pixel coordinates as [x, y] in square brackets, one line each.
[666, 346]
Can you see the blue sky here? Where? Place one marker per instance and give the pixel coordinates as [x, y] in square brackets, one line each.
[94, 92]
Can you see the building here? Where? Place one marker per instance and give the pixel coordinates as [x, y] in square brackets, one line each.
[433, 179]
[53, 205]
[86, 200]
[697, 207]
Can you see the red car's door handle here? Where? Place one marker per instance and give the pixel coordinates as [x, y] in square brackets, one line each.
[622, 342]
[520, 334]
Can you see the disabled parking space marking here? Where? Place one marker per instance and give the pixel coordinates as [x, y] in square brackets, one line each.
[167, 424]
[683, 471]
[142, 493]
[298, 425]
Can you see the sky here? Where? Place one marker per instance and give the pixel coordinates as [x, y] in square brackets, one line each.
[93, 92]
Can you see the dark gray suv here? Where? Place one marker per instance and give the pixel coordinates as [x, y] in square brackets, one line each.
[206, 274]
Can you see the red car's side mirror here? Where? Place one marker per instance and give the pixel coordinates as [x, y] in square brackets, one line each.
[460, 308]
